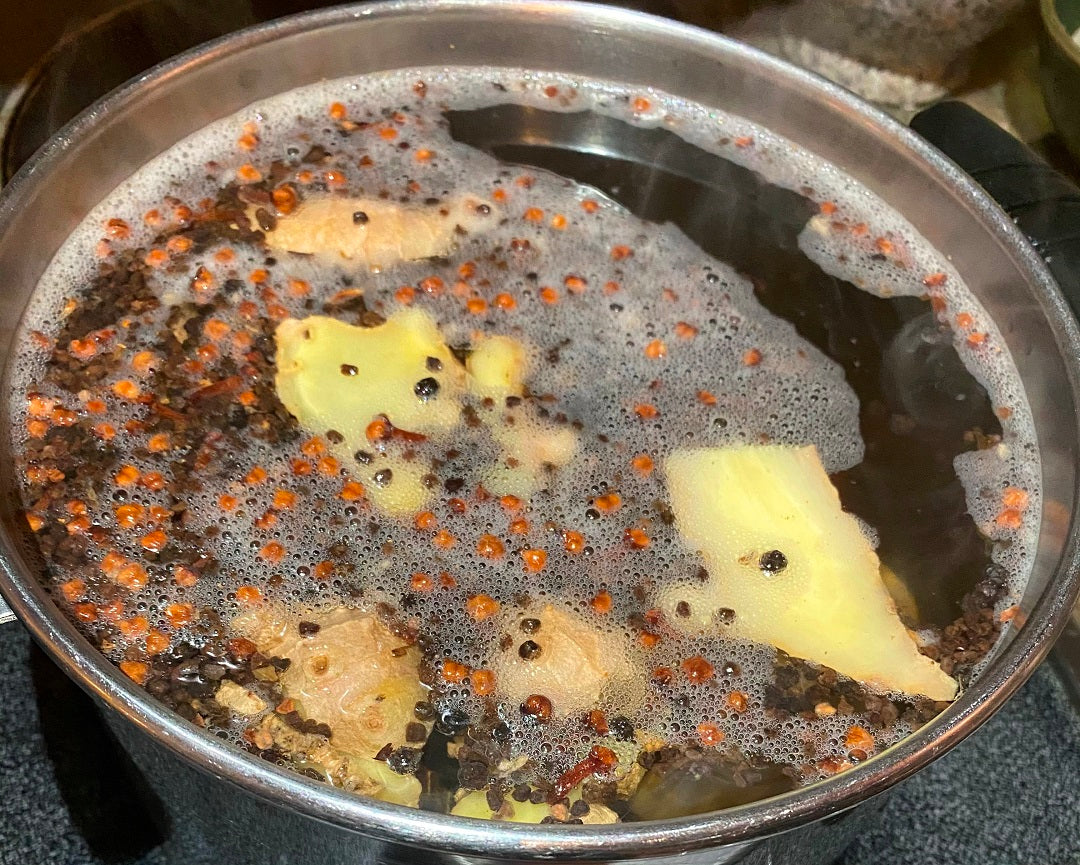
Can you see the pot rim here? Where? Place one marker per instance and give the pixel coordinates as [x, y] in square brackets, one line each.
[394, 823]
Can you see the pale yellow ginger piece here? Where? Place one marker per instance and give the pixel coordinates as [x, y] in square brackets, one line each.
[363, 775]
[497, 366]
[906, 605]
[375, 233]
[528, 448]
[238, 699]
[342, 377]
[497, 369]
[474, 804]
[334, 375]
[337, 376]
[828, 603]
[353, 674]
[577, 664]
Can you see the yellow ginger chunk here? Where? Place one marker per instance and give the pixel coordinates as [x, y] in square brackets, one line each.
[337, 376]
[497, 367]
[826, 602]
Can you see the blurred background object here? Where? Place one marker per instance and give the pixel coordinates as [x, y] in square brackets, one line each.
[901, 54]
[1059, 50]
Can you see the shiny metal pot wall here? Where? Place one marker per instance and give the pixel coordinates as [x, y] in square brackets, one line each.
[270, 815]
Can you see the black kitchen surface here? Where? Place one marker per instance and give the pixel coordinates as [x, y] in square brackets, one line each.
[1010, 794]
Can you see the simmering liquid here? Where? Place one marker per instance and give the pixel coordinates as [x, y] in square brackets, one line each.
[434, 476]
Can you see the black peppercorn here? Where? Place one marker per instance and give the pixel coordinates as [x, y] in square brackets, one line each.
[772, 562]
[621, 728]
[426, 388]
[404, 761]
[529, 650]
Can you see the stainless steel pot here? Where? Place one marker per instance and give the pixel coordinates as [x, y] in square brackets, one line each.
[225, 806]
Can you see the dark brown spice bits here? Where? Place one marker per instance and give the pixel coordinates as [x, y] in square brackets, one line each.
[530, 626]
[529, 650]
[494, 797]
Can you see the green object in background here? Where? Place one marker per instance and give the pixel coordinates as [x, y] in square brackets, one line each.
[1059, 61]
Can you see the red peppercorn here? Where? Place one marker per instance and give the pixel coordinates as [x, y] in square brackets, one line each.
[537, 707]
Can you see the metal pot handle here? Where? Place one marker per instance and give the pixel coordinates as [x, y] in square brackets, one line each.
[1046, 206]
[1043, 203]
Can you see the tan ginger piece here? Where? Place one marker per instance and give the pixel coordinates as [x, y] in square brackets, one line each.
[576, 666]
[375, 233]
[352, 674]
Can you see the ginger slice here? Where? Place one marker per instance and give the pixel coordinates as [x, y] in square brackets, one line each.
[378, 233]
[793, 567]
[352, 673]
[566, 659]
[341, 377]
